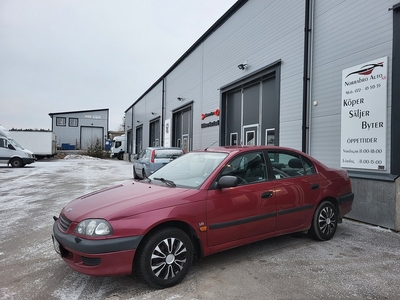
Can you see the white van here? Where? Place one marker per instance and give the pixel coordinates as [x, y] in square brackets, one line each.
[12, 153]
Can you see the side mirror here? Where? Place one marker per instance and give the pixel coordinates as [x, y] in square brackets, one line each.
[228, 181]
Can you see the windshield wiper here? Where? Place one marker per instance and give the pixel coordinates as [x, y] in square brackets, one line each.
[166, 181]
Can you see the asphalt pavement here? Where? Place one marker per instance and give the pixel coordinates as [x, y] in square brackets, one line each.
[361, 262]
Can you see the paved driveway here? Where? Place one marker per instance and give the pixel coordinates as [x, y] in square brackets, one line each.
[360, 262]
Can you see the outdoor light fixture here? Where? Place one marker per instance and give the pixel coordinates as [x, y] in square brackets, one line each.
[179, 98]
[153, 113]
[242, 66]
[138, 121]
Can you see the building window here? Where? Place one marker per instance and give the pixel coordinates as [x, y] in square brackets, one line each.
[234, 139]
[61, 121]
[73, 122]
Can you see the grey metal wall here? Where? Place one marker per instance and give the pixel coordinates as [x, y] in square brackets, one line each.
[144, 111]
[258, 34]
[346, 33]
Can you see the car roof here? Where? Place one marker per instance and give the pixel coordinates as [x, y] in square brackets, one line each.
[229, 149]
[163, 148]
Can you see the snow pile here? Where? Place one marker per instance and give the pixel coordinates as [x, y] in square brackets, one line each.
[75, 156]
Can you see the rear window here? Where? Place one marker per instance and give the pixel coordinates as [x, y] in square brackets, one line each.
[168, 153]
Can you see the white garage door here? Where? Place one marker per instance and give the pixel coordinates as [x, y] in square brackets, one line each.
[89, 135]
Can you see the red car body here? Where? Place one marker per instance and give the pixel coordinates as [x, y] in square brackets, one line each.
[215, 216]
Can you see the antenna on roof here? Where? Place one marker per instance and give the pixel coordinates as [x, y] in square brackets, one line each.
[216, 142]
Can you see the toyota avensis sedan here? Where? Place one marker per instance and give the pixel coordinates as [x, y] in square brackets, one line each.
[200, 203]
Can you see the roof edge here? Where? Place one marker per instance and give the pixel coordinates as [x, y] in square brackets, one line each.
[77, 111]
[234, 8]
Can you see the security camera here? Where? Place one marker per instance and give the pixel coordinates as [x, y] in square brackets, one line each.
[242, 66]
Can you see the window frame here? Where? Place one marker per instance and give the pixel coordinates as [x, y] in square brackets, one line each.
[73, 119]
[61, 121]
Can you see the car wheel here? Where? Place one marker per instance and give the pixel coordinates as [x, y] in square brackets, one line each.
[16, 163]
[120, 156]
[135, 176]
[165, 258]
[324, 222]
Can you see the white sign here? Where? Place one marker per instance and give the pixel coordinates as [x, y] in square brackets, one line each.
[364, 113]
[167, 133]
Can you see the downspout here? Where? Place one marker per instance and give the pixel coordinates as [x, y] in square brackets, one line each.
[306, 64]
[162, 111]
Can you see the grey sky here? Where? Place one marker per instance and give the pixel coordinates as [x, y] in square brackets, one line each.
[73, 55]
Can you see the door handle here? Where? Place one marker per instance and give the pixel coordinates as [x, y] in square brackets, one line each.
[267, 195]
[314, 186]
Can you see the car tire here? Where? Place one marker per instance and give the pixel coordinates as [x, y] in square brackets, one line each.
[135, 176]
[324, 222]
[120, 156]
[16, 163]
[165, 258]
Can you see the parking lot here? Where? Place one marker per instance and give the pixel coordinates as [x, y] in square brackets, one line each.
[360, 262]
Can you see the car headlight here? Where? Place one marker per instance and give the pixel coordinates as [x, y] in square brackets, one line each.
[94, 227]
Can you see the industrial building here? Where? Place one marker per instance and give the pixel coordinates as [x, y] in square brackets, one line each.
[319, 76]
[76, 130]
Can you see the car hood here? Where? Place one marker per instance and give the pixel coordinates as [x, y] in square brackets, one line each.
[125, 200]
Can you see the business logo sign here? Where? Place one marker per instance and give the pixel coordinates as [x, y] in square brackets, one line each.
[364, 113]
[213, 113]
[210, 124]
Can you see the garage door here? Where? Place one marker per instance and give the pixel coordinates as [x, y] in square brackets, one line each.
[89, 135]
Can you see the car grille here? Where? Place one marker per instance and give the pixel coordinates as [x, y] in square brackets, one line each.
[91, 261]
[64, 223]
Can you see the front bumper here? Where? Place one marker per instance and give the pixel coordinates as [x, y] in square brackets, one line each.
[28, 161]
[108, 257]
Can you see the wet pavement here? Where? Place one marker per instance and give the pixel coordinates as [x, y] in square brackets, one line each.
[360, 262]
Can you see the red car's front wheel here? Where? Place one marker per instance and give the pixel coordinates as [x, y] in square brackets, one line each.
[165, 258]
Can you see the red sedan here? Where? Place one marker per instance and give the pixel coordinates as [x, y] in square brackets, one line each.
[199, 204]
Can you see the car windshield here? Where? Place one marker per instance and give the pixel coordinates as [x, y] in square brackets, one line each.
[189, 170]
[15, 144]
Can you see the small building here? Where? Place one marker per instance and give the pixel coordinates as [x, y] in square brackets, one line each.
[76, 130]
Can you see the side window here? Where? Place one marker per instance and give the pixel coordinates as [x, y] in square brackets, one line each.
[147, 153]
[142, 154]
[248, 167]
[73, 122]
[61, 121]
[285, 165]
[3, 143]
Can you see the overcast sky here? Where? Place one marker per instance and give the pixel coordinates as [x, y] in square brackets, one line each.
[71, 55]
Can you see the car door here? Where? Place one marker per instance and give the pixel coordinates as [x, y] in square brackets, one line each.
[4, 151]
[141, 160]
[296, 188]
[246, 210]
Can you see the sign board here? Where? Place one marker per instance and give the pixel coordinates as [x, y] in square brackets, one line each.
[364, 114]
[167, 133]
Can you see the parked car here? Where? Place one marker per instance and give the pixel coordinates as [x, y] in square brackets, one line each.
[153, 158]
[200, 203]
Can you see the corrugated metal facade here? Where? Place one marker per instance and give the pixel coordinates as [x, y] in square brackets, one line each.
[272, 33]
[80, 127]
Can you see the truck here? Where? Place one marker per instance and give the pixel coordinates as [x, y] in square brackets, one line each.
[42, 143]
[118, 147]
[11, 152]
